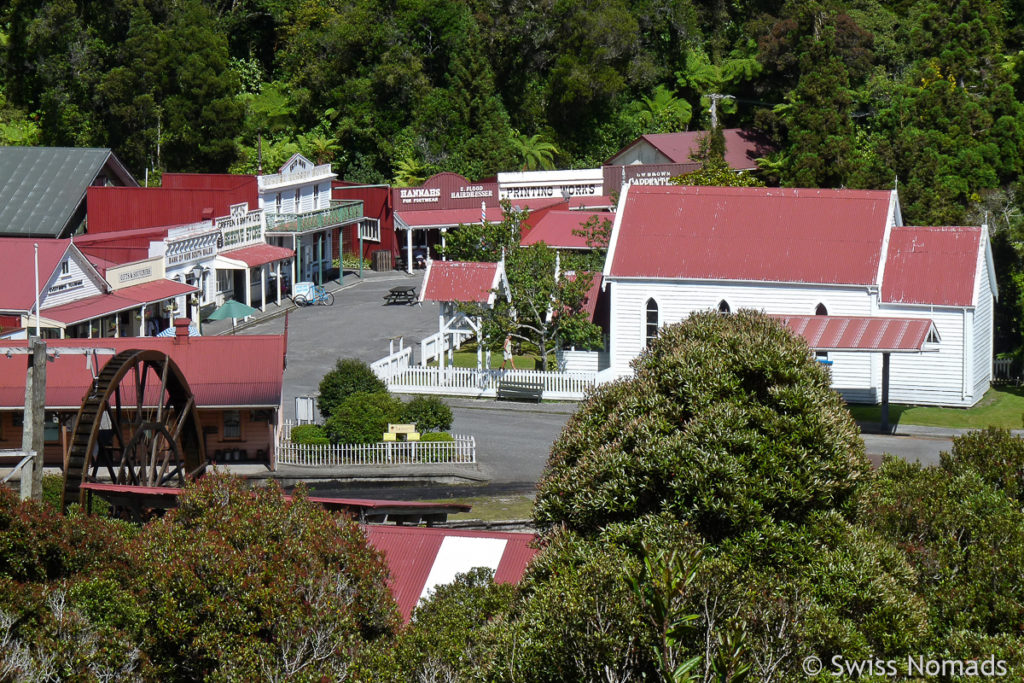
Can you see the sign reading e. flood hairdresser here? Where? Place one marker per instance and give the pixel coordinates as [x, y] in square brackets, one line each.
[445, 191]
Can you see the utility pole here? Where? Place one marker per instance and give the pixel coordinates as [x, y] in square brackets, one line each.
[715, 97]
[35, 412]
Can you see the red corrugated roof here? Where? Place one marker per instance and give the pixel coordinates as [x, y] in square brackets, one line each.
[411, 551]
[756, 234]
[236, 370]
[742, 147]
[851, 333]
[258, 254]
[118, 300]
[19, 292]
[555, 229]
[463, 281]
[208, 181]
[931, 266]
[445, 217]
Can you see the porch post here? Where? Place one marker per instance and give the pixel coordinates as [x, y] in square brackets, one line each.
[142, 321]
[885, 392]
[408, 250]
[248, 287]
[295, 261]
[277, 269]
[263, 287]
[320, 257]
[444, 232]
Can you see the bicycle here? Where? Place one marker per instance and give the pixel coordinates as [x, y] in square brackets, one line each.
[308, 294]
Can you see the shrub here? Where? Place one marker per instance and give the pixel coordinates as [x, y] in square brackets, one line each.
[309, 434]
[363, 418]
[437, 436]
[728, 423]
[348, 377]
[429, 414]
[996, 455]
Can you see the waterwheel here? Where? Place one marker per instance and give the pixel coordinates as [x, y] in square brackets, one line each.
[137, 426]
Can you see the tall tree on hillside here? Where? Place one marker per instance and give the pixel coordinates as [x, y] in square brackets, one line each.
[535, 152]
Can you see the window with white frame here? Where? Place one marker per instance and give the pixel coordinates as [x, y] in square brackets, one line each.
[277, 203]
[651, 324]
[225, 282]
[316, 196]
[297, 196]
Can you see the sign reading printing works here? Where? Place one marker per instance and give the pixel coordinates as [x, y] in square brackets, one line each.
[445, 191]
[586, 182]
[241, 228]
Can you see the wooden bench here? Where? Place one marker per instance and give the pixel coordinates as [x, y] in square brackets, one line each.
[400, 295]
[520, 390]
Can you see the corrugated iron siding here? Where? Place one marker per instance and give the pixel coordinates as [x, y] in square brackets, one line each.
[209, 181]
[758, 234]
[555, 228]
[933, 265]
[117, 208]
[376, 204]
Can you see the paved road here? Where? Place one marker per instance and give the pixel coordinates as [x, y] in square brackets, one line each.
[513, 440]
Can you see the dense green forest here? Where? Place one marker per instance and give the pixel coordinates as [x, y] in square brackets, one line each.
[924, 95]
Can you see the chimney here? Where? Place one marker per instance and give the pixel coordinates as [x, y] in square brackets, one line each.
[181, 326]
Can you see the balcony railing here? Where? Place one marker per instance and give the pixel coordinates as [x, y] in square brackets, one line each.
[338, 213]
[268, 181]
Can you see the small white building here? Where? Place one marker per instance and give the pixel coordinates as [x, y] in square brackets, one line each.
[675, 250]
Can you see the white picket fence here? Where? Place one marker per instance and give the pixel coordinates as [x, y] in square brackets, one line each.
[570, 386]
[430, 347]
[392, 363]
[462, 450]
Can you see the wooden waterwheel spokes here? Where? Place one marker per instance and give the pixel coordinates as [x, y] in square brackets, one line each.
[138, 426]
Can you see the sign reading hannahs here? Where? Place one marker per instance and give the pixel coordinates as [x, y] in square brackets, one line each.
[445, 191]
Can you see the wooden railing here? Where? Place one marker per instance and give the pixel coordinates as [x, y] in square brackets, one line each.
[392, 364]
[314, 220]
[462, 450]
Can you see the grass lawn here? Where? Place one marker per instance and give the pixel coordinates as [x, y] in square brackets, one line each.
[1001, 407]
[467, 359]
[492, 508]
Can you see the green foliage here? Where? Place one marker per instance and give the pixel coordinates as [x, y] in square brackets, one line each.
[428, 413]
[436, 436]
[486, 241]
[348, 377]
[242, 584]
[535, 152]
[729, 423]
[309, 434]
[363, 417]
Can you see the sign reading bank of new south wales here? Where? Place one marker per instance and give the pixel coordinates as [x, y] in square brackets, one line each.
[243, 227]
[445, 191]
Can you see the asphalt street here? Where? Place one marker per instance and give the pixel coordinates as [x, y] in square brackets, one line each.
[513, 440]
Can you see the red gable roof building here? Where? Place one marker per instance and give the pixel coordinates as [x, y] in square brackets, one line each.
[742, 149]
[802, 252]
[236, 381]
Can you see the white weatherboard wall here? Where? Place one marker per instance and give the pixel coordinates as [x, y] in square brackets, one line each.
[983, 326]
[676, 300]
[460, 554]
[78, 271]
[931, 377]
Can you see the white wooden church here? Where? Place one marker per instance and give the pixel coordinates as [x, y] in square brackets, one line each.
[802, 252]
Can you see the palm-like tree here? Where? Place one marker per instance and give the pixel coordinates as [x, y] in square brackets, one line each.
[409, 172]
[535, 152]
[663, 112]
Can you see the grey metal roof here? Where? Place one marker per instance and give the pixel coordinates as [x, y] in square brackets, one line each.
[42, 189]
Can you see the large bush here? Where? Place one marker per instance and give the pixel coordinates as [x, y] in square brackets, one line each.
[309, 434]
[242, 584]
[363, 418]
[728, 423]
[429, 414]
[348, 377]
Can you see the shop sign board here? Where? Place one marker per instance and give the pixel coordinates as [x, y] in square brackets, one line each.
[187, 247]
[587, 182]
[445, 191]
[644, 174]
[136, 273]
[243, 227]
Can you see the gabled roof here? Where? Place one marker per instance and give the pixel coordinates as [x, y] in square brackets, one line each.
[422, 558]
[231, 371]
[19, 292]
[43, 189]
[859, 333]
[935, 266]
[750, 234]
[742, 148]
[257, 254]
[462, 281]
[555, 229]
[445, 218]
[123, 299]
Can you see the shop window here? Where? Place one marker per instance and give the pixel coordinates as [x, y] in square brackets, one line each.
[296, 200]
[821, 310]
[51, 427]
[232, 425]
[723, 307]
[651, 331]
[224, 281]
[278, 202]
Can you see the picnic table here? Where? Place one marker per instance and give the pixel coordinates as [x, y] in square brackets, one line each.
[400, 295]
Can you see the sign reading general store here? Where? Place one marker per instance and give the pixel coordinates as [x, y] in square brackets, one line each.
[242, 227]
